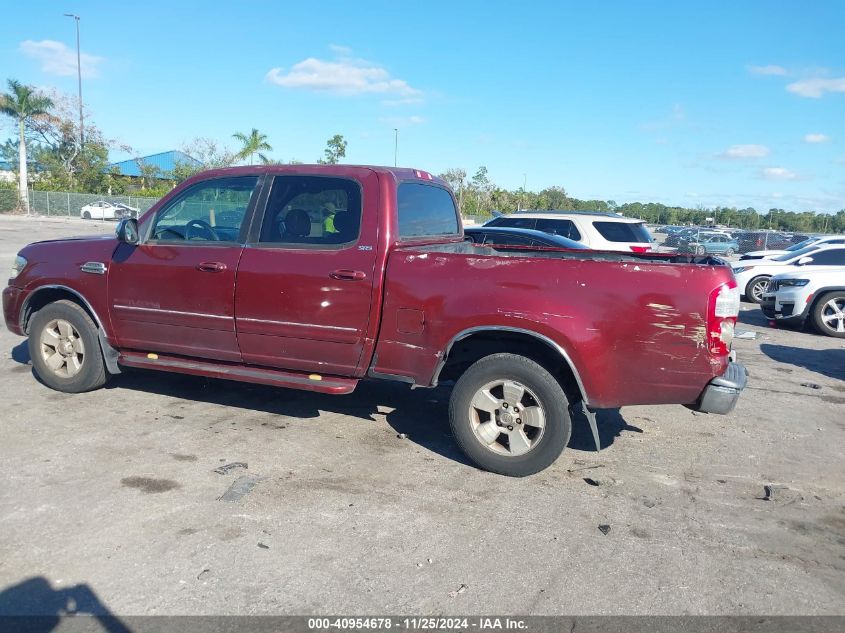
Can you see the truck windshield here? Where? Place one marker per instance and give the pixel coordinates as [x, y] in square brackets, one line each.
[623, 231]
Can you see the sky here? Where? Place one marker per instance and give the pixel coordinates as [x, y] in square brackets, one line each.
[685, 103]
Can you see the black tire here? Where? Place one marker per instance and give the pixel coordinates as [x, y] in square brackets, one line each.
[729, 252]
[540, 387]
[763, 281]
[86, 215]
[822, 309]
[91, 372]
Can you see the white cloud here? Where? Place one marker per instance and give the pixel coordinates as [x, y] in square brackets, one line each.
[816, 138]
[816, 87]
[779, 173]
[344, 75]
[57, 59]
[745, 151]
[771, 69]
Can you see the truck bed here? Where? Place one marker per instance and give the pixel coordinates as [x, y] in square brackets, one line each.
[634, 323]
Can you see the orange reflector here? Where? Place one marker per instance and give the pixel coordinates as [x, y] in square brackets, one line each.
[315, 377]
[152, 356]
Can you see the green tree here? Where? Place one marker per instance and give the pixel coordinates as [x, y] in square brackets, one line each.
[23, 103]
[253, 143]
[335, 150]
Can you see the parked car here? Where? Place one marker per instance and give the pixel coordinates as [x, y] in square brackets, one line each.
[391, 291]
[125, 211]
[822, 239]
[753, 276]
[100, 210]
[763, 240]
[596, 230]
[103, 210]
[817, 296]
[676, 238]
[710, 243]
[504, 236]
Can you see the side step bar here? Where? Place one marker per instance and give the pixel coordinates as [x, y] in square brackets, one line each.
[275, 377]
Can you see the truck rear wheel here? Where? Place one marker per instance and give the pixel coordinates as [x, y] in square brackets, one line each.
[65, 349]
[509, 415]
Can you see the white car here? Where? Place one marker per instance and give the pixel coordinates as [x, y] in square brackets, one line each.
[828, 239]
[753, 276]
[102, 210]
[596, 230]
[814, 295]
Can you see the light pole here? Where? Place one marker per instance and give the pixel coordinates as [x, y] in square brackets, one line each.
[79, 76]
[395, 145]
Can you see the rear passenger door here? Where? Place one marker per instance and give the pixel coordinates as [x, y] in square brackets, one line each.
[565, 228]
[305, 279]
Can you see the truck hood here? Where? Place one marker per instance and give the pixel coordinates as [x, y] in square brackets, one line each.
[56, 261]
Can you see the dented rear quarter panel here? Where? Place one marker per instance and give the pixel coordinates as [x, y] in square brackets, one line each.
[636, 332]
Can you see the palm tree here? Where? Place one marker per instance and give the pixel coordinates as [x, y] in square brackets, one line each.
[253, 143]
[22, 103]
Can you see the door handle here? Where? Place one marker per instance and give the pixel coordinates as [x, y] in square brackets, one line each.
[348, 275]
[211, 267]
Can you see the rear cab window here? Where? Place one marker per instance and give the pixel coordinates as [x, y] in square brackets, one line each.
[426, 211]
[623, 231]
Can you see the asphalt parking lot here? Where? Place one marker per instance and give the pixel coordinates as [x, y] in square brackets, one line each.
[115, 491]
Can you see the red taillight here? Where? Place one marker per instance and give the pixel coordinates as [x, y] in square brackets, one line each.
[640, 249]
[423, 175]
[722, 311]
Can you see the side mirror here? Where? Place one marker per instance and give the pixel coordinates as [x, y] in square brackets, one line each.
[804, 261]
[127, 231]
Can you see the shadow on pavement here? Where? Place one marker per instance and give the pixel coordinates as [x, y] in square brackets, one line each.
[421, 414]
[20, 353]
[828, 362]
[33, 606]
[610, 423]
[754, 316]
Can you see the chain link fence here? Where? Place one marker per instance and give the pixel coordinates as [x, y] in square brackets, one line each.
[68, 204]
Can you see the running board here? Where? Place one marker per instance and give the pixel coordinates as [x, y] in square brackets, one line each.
[243, 373]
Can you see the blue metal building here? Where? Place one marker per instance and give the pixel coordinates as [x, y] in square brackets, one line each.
[165, 162]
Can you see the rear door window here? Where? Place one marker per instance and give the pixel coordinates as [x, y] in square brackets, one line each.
[512, 240]
[829, 258]
[623, 231]
[514, 223]
[426, 210]
[566, 228]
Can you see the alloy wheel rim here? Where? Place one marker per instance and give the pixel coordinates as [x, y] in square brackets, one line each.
[833, 315]
[758, 288]
[62, 349]
[507, 418]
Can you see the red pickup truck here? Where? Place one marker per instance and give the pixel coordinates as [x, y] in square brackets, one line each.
[317, 277]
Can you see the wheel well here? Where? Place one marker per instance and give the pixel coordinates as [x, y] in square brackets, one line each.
[47, 296]
[470, 349]
[818, 294]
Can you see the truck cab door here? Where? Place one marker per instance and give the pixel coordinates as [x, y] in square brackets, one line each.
[305, 281]
[174, 292]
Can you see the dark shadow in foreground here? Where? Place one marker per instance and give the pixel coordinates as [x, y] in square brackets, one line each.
[610, 423]
[828, 362]
[33, 606]
[20, 353]
[421, 414]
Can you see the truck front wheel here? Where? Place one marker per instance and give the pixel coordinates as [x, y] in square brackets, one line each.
[509, 415]
[64, 348]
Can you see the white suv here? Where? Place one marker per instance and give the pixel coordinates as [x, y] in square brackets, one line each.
[817, 295]
[752, 276]
[596, 230]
